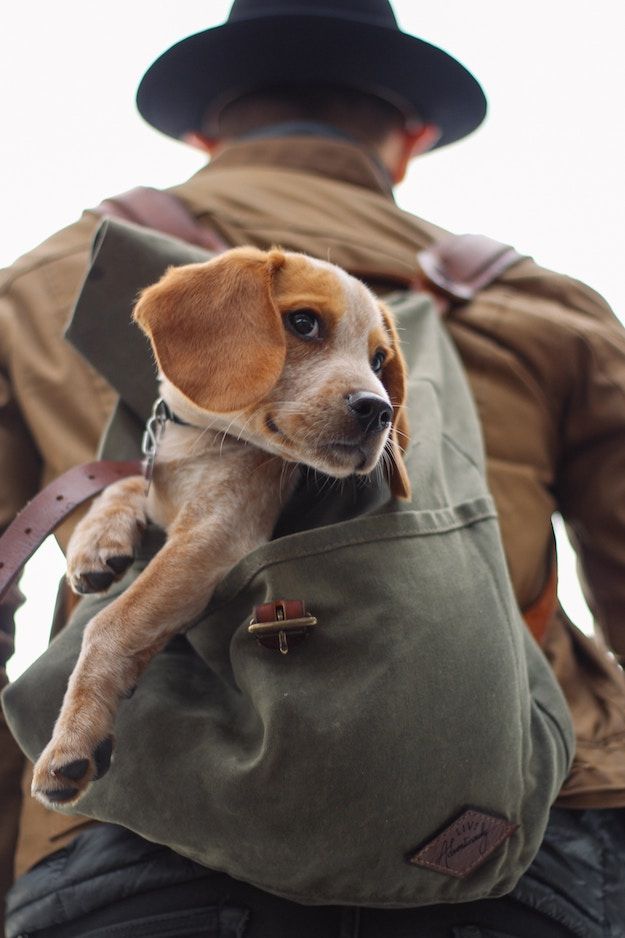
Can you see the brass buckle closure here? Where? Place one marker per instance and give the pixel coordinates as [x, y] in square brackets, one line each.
[278, 633]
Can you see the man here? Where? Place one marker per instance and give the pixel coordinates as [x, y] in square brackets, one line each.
[311, 165]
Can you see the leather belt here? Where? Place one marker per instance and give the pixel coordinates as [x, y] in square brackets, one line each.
[47, 509]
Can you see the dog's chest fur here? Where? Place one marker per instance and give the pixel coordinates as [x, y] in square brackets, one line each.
[203, 474]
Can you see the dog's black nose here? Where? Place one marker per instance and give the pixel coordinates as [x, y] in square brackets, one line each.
[371, 411]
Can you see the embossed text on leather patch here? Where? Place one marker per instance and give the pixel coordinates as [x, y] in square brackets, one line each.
[463, 846]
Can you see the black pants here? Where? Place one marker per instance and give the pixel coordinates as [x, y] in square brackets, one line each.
[111, 884]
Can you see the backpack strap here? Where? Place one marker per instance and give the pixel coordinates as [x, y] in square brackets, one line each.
[456, 266]
[459, 266]
[151, 208]
[540, 614]
[455, 269]
[50, 506]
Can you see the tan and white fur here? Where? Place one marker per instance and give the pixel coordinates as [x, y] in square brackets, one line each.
[273, 359]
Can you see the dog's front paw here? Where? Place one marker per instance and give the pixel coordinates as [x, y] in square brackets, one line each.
[91, 575]
[104, 542]
[97, 557]
[65, 770]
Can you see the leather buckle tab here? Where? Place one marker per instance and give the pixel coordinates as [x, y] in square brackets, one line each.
[277, 623]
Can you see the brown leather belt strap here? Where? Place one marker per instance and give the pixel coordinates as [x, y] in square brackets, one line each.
[47, 509]
[459, 266]
[278, 611]
[162, 211]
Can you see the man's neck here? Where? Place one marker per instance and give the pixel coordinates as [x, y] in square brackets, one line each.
[290, 145]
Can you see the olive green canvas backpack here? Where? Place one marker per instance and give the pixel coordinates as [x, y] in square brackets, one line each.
[407, 750]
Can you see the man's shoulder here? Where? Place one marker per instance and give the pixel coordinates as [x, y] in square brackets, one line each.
[524, 281]
[255, 198]
[72, 241]
[529, 283]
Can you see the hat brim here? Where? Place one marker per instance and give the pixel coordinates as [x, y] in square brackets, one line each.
[203, 72]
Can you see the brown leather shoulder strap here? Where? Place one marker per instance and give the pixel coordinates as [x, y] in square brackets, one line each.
[162, 211]
[459, 266]
[47, 509]
[149, 208]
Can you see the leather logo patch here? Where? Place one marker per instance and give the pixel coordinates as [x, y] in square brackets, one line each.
[465, 845]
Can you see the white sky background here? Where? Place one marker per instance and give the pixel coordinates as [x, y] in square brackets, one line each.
[545, 172]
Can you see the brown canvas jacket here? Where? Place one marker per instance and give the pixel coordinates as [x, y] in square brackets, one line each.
[544, 354]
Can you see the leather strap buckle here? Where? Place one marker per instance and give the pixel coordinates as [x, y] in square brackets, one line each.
[277, 623]
[459, 266]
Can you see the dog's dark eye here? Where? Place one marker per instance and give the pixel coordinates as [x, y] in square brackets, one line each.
[304, 323]
[377, 362]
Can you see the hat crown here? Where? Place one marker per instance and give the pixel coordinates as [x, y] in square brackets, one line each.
[378, 12]
[269, 43]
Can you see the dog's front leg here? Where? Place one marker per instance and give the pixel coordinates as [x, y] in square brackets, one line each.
[104, 542]
[118, 644]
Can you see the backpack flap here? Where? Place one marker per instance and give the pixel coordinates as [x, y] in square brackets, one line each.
[125, 259]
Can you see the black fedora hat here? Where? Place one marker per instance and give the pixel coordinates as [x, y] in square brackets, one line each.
[264, 43]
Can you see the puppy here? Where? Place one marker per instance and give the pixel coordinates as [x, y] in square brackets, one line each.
[267, 359]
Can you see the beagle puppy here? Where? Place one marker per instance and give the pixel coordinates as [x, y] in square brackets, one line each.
[267, 360]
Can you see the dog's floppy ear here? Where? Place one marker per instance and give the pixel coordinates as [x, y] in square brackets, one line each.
[215, 329]
[394, 379]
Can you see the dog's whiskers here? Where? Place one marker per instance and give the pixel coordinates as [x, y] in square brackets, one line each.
[287, 467]
[226, 433]
[289, 404]
[200, 437]
[243, 428]
[390, 457]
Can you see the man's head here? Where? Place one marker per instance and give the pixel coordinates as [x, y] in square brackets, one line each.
[328, 60]
[356, 115]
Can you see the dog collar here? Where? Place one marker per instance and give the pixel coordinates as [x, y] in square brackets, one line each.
[161, 415]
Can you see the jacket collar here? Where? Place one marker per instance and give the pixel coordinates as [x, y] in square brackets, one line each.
[325, 156]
